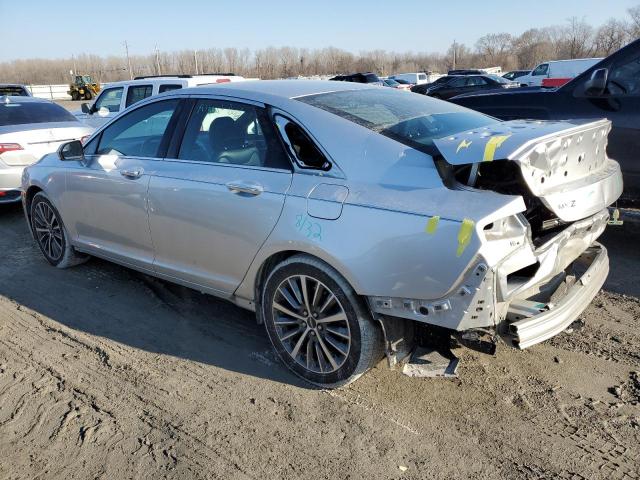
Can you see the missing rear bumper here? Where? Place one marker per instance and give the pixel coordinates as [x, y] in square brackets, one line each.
[529, 323]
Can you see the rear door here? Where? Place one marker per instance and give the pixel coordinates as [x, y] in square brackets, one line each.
[105, 201]
[216, 197]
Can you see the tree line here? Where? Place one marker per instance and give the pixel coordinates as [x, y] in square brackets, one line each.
[573, 39]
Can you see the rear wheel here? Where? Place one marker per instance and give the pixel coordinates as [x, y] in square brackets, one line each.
[317, 324]
[88, 95]
[50, 234]
[75, 95]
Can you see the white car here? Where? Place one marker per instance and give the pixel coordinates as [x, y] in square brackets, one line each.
[117, 96]
[558, 70]
[29, 129]
[412, 78]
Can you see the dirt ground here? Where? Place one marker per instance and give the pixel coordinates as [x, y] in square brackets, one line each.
[107, 373]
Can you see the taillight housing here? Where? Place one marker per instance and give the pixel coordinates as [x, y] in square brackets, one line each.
[9, 147]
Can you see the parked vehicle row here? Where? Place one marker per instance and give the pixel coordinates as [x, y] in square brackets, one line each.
[609, 89]
[271, 194]
[452, 85]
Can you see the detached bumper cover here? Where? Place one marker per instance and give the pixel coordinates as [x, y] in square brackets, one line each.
[527, 332]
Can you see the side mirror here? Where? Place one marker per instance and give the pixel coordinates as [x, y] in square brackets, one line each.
[597, 84]
[71, 151]
[85, 108]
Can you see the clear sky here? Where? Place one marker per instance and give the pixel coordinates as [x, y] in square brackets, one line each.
[60, 28]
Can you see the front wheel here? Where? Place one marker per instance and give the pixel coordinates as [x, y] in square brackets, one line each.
[317, 324]
[50, 234]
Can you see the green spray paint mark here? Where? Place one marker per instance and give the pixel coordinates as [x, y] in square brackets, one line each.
[464, 235]
[432, 225]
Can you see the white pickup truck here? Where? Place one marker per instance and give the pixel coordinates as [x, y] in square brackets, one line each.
[117, 96]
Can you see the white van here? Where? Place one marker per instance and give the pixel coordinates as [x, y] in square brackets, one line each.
[557, 72]
[413, 78]
[117, 96]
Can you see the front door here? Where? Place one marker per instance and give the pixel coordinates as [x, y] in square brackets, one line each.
[105, 201]
[215, 200]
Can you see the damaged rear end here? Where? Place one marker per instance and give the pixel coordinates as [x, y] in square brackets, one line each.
[544, 262]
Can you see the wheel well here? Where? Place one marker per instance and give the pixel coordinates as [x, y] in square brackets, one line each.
[31, 191]
[263, 272]
[276, 258]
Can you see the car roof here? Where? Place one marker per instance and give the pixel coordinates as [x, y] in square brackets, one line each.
[284, 89]
[12, 85]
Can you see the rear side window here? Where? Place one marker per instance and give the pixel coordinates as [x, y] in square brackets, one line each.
[168, 88]
[13, 113]
[137, 93]
[422, 76]
[301, 147]
[138, 133]
[232, 133]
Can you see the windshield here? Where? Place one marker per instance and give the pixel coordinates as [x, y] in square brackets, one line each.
[415, 120]
[33, 112]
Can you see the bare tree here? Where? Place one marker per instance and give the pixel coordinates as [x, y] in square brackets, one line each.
[495, 49]
[573, 40]
[611, 37]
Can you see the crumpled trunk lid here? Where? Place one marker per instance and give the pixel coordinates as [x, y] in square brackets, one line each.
[564, 164]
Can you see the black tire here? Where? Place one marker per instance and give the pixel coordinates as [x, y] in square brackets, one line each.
[51, 236]
[88, 95]
[75, 95]
[364, 347]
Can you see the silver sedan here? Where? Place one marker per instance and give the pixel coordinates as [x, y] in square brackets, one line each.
[344, 215]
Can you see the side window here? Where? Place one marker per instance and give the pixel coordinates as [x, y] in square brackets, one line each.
[422, 76]
[135, 93]
[475, 81]
[138, 133]
[168, 87]
[458, 82]
[541, 70]
[232, 133]
[110, 99]
[301, 147]
[624, 77]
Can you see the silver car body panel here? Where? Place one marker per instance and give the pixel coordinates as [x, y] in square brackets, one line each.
[382, 216]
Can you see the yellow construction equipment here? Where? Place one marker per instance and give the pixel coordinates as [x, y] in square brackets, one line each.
[84, 88]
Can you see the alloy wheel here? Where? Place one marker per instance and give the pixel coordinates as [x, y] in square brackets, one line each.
[311, 324]
[48, 231]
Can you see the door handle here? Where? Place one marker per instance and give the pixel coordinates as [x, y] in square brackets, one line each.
[248, 188]
[133, 173]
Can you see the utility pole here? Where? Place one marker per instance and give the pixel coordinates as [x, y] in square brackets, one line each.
[126, 48]
[195, 56]
[75, 69]
[158, 60]
[455, 52]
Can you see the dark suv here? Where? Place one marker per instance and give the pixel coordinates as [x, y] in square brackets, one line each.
[367, 77]
[610, 89]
